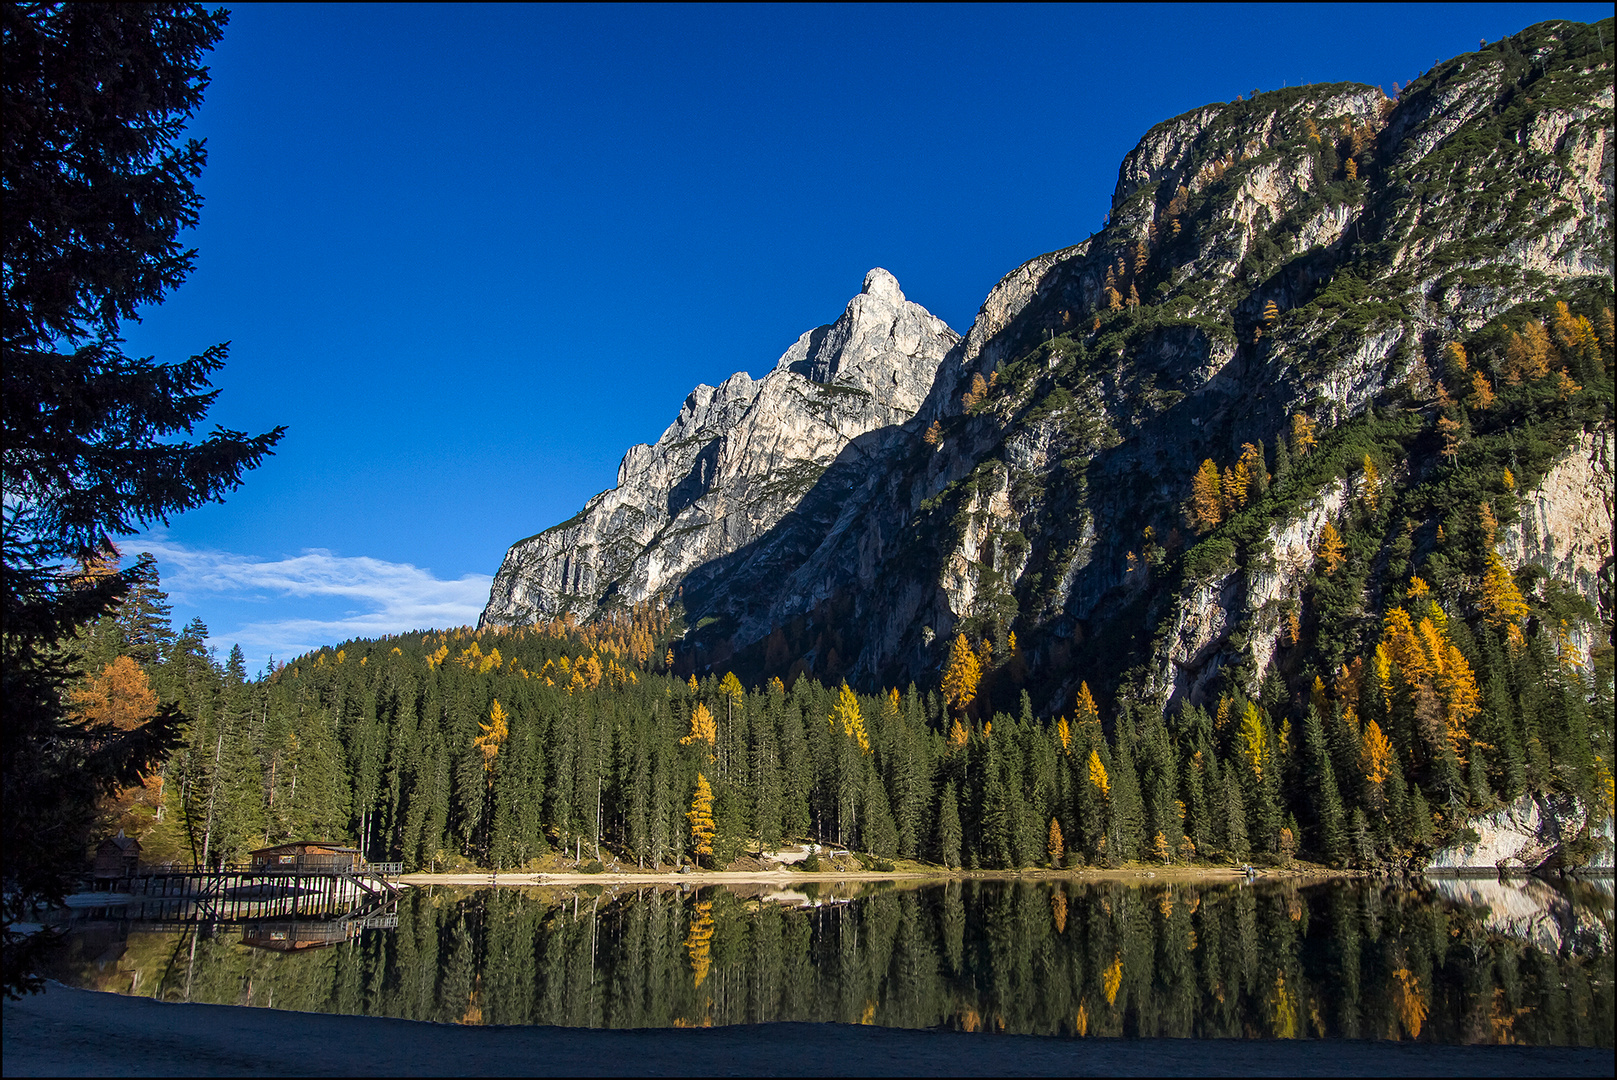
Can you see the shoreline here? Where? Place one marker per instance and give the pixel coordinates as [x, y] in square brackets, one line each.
[70, 1032]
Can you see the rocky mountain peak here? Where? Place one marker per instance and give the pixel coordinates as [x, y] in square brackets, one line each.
[882, 285]
[736, 459]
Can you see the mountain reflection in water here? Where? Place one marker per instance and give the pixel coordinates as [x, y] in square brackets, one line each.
[1446, 961]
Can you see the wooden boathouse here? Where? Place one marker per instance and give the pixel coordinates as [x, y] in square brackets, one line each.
[116, 858]
[305, 857]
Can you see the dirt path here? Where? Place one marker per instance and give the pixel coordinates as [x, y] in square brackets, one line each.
[67, 1032]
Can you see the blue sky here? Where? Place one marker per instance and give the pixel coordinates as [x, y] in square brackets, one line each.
[469, 254]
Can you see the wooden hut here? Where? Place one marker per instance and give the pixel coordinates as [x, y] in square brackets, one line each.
[116, 857]
[306, 857]
[289, 935]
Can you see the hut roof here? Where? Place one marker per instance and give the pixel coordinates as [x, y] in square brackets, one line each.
[325, 845]
[119, 843]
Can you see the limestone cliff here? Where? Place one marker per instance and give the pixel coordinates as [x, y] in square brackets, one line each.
[736, 459]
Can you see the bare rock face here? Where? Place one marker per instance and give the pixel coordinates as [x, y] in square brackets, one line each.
[734, 462]
[1566, 525]
[1526, 835]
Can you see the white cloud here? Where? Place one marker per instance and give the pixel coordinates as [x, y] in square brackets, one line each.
[351, 596]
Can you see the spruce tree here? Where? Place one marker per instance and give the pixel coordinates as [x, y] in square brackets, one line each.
[1127, 811]
[1234, 818]
[949, 832]
[1324, 798]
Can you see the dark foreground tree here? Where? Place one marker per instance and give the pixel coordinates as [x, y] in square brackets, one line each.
[98, 185]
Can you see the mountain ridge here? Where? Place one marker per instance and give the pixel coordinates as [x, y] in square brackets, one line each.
[1309, 251]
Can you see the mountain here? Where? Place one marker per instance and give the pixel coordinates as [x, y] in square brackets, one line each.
[735, 461]
[1327, 297]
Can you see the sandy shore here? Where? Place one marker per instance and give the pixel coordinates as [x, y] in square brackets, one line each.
[68, 1032]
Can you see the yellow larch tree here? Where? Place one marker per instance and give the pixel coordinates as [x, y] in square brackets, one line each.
[1482, 395]
[979, 390]
[1332, 552]
[1372, 484]
[700, 815]
[1528, 354]
[1375, 754]
[961, 675]
[934, 434]
[494, 735]
[1097, 774]
[1087, 715]
[1257, 471]
[703, 727]
[1064, 732]
[1302, 435]
[1234, 484]
[845, 714]
[119, 696]
[1253, 740]
[1206, 498]
[1055, 846]
[1501, 601]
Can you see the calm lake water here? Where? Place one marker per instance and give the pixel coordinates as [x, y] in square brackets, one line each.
[1444, 961]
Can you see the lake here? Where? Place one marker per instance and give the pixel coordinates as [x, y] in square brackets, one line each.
[1446, 961]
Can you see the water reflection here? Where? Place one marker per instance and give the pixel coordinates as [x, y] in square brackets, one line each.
[1447, 961]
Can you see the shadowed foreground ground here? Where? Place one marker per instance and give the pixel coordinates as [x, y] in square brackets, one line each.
[68, 1032]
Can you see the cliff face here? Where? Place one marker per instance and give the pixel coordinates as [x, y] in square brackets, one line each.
[1310, 251]
[736, 459]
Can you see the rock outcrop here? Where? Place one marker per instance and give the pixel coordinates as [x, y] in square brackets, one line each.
[1527, 835]
[735, 461]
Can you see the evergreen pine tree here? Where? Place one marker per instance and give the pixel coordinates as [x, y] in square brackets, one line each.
[1234, 819]
[949, 831]
[1127, 811]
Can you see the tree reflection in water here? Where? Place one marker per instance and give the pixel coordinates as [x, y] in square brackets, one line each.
[1445, 962]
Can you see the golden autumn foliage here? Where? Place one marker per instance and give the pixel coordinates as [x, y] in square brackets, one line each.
[1233, 486]
[1087, 714]
[1302, 435]
[1282, 1010]
[1055, 845]
[700, 815]
[1112, 978]
[845, 713]
[1097, 774]
[1252, 739]
[494, 735]
[1058, 910]
[119, 696]
[1375, 754]
[961, 675]
[699, 942]
[1482, 395]
[934, 434]
[979, 390]
[703, 727]
[1411, 1002]
[1332, 552]
[1372, 485]
[1501, 601]
[1064, 732]
[1528, 354]
[1206, 498]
